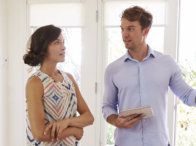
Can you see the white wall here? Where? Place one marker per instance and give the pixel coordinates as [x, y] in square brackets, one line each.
[16, 48]
[3, 72]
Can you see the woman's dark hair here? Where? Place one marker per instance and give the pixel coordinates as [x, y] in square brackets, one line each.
[39, 42]
[137, 13]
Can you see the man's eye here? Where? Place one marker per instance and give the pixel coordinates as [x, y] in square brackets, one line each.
[131, 29]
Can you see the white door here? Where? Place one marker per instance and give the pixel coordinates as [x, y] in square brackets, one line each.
[157, 39]
[185, 118]
[79, 26]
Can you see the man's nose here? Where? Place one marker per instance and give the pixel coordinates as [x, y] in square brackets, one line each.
[125, 34]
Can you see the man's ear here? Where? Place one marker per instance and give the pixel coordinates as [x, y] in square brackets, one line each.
[145, 31]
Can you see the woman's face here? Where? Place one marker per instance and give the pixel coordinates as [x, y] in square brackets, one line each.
[56, 50]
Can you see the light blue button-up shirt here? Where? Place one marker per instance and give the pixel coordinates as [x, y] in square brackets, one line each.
[130, 83]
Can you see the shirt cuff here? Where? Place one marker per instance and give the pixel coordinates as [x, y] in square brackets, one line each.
[108, 111]
[192, 98]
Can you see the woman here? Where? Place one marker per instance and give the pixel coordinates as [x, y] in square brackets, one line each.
[53, 97]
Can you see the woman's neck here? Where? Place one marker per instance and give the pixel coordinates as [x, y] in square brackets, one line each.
[49, 68]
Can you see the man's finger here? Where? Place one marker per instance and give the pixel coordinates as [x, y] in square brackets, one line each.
[133, 121]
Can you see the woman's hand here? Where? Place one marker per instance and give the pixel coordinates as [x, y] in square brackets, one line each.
[56, 128]
[78, 133]
[71, 131]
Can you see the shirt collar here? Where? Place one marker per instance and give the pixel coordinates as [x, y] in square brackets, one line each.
[151, 53]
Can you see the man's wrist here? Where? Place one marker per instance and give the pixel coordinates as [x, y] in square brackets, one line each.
[112, 119]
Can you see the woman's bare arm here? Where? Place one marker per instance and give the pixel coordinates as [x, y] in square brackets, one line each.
[86, 117]
[35, 109]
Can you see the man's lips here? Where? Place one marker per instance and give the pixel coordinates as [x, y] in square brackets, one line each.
[62, 53]
[127, 41]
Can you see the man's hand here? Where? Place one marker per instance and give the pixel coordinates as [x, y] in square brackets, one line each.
[124, 122]
[127, 122]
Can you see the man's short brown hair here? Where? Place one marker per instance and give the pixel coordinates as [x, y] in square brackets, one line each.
[137, 13]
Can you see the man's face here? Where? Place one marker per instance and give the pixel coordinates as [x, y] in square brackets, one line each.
[132, 34]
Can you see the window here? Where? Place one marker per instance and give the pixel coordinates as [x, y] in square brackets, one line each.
[68, 16]
[186, 121]
[112, 14]
[113, 41]
[80, 33]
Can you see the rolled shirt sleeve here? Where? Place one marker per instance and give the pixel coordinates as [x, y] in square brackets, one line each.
[180, 88]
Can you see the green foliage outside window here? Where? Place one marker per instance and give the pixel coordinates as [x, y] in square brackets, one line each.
[110, 135]
[186, 116]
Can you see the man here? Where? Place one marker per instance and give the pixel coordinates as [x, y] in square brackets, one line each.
[141, 78]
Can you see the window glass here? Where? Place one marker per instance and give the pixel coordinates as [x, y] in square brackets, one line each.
[186, 121]
[69, 17]
[113, 40]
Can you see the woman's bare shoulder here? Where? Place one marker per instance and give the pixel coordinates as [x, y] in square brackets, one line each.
[34, 83]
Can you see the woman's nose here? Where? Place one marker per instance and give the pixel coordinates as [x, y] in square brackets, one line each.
[64, 48]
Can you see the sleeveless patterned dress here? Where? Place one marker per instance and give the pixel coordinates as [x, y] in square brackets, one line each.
[60, 102]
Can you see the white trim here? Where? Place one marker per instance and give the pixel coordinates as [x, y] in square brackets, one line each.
[3, 74]
[133, 0]
[171, 48]
[53, 1]
[115, 26]
[101, 60]
[89, 70]
[68, 26]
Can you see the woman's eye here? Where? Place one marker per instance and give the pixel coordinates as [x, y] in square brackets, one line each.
[59, 42]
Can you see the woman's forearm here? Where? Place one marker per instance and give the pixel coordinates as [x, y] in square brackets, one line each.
[82, 120]
[71, 131]
[42, 137]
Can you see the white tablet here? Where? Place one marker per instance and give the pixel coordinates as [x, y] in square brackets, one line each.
[146, 111]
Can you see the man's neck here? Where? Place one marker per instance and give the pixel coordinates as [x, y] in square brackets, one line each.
[139, 54]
